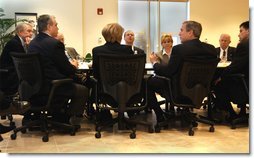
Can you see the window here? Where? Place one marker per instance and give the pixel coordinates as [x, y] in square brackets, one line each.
[149, 19]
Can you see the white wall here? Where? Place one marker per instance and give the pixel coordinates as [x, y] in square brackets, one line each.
[68, 15]
[94, 23]
[219, 16]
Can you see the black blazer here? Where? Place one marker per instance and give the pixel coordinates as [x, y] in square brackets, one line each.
[230, 55]
[240, 62]
[110, 48]
[54, 61]
[193, 48]
[9, 81]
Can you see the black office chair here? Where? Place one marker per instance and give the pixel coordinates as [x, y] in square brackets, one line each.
[9, 94]
[238, 94]
[189, 87]
[119, 88]
[31, 89]
[14, 107]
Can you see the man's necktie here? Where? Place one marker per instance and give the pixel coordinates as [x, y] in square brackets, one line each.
[224, 56]
[25, 47]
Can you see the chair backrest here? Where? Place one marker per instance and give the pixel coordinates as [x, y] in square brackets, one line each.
[192, 83]
[120, 77]
[29, 73]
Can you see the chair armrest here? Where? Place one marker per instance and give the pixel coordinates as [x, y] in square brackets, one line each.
[147, 76]
[3, 70]
[93, 79]
[55, 84]
[61, 81]
[163, 77]
[235, 76]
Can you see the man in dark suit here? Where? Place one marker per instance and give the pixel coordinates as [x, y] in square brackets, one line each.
[56, 65]
[191, 47]
[9, 81]
[129, 38]
[240, 64]
[225, 52]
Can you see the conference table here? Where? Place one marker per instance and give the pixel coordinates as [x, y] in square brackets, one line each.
[87, 66]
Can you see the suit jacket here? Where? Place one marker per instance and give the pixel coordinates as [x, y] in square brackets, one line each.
[110, 48]
[240, 62]
[137, 50]
[9, 81]
[193, 48]
[54, 61]
[230, 55]
[72, 52]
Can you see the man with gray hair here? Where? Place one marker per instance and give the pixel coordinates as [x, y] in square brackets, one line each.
[56, 66]
[9, 82]
[225, 52]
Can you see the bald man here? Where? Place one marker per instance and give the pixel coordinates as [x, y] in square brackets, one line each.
[225, 52]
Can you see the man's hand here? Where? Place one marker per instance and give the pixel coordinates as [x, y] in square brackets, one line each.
[217, 81]
[74, 63]
[27, 40]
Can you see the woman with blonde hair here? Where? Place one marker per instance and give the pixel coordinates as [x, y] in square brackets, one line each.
[164, 54]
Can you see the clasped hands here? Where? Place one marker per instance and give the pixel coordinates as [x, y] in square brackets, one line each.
[153, 58]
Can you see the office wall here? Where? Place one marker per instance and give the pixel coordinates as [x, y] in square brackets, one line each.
[219, 16]
[94, 23]
[68, 15]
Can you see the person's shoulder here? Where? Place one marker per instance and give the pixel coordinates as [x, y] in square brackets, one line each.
[208, 45]
[139, 50]
[13, 40]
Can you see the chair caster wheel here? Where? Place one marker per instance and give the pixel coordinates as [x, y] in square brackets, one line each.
[211, 129]
[98, 135]
[73, 133]
[132, 135]
[194, 124]
[12, 124]
[45, 138]
[157, 129]
[150, 129]
[13, 136]
[23, 131]
[233, 126]
[191, 132]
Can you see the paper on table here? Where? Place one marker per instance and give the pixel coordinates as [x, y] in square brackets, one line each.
[223, 64]
[149, 66]
[83, 65]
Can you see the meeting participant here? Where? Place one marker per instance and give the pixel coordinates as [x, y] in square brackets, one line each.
[225, 52]
[112, 33]
[164, 54]
[191, 47]
[73, 61]
[129, 38]
[239, 64]
[9, 81]
[55, 66]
